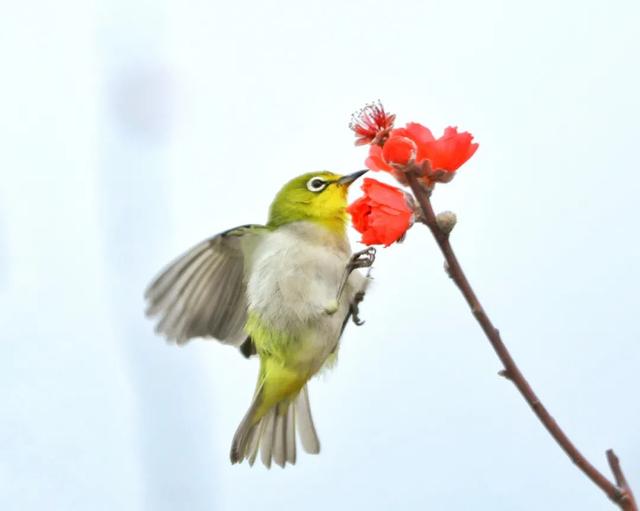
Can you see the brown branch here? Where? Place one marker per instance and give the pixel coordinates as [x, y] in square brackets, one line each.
[621, 493]
[628, 502]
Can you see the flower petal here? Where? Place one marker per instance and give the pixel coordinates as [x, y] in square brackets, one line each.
[382, 215]
[419, 134]
[384, 194]
[375, 161]
[451, 150]
[399, 150]
[359, 211]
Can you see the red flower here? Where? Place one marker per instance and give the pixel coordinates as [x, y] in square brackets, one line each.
[371, 124]
[382, 215]
[446, 153]
[399, 150]
[451, 150]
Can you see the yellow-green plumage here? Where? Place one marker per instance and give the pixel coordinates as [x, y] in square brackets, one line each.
[277, 379]
[295, 203]
[284, 305]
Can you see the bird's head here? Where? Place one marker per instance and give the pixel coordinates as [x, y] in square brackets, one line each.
[319, 197]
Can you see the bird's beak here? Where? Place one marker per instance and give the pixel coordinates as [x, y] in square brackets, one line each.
[350, 178]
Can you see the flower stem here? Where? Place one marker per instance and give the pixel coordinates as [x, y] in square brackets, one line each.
[620, 493]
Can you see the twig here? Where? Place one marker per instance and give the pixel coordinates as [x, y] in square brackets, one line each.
[620, 493]
[628, 500]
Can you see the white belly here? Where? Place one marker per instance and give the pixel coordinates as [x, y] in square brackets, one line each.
[295, 274]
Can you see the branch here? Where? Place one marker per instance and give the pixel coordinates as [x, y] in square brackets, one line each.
[620, 493]
[627, 500]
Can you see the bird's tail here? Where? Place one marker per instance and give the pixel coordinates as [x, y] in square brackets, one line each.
[274, 432]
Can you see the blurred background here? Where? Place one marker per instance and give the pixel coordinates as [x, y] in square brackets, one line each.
[132, 129]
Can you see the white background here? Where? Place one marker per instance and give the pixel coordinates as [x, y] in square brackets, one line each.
[129, 130]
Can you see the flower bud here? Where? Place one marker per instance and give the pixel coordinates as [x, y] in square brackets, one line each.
[446, 221]
[399, 150]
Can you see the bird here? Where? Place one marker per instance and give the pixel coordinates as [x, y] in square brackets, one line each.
[283, 291]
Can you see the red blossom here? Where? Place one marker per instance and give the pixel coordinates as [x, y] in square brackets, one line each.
[382, 215]
[399, 150]
[451, 150]
[446, 153]
[371, 124]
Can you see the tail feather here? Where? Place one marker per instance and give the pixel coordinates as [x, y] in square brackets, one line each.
[266, 439]
[291, 435]
[306, 429]
[279, 445]
[247, 434]
[274, 435]
[254, 443]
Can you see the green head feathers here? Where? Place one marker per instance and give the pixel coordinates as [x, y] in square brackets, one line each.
[319, 197]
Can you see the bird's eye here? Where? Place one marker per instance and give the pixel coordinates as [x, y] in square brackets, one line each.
[316, 184]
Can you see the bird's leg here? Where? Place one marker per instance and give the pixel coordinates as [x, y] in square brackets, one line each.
[354, 311]
[362, 259]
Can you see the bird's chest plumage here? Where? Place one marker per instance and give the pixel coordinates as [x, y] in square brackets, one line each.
[295, 273]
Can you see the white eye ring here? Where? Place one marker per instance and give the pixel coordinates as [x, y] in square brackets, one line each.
[316, 184]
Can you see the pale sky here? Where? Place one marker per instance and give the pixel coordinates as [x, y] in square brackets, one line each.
[133, 129]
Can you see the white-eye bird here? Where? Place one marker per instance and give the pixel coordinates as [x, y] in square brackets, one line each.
[283, 291]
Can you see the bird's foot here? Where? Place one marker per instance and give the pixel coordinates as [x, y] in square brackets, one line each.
[362, 259]
[355, 308]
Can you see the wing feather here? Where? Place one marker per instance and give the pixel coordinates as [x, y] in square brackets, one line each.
[203, 292]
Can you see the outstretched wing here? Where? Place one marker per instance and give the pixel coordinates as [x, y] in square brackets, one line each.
[203, 293]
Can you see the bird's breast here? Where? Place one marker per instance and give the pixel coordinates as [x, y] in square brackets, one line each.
[295, 273]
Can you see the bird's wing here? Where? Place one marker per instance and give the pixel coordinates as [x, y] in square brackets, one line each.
[203, 292]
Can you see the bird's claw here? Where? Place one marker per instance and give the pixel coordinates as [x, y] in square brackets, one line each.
[362, 259]
[355, 308]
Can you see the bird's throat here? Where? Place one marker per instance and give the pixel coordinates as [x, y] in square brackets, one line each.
[336, 225]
